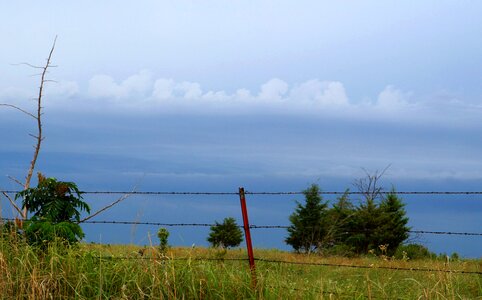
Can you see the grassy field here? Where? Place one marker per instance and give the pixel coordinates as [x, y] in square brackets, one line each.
[119, 272]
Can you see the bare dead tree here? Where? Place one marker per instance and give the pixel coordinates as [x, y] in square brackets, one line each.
[369, 186]
[37, 116]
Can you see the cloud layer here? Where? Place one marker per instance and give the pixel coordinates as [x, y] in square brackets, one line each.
[143, 93]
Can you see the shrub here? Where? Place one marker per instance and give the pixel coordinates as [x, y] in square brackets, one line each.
[455, 256]
[56, 208]
[414, 251]
[163, 235]
[226, 234]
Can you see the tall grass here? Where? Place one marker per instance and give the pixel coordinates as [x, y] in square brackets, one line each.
[118, 272]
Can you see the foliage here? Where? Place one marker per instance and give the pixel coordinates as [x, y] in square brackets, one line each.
[454, 256]
[308, 222]
[340, 225]
[226, 234]
[88, 271]
[392, 229]
[56, 208]
[348, 229]
[163, 235]
[413, 251]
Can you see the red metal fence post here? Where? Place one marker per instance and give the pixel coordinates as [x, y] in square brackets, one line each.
[247, 235]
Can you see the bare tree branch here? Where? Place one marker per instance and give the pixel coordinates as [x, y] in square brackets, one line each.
[27, 64]
[122, 198]
[18, 108]
[39, 137]
[12, 203]
[15, 180]
[369, 185]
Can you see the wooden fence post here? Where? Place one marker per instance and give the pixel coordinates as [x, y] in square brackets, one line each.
[247, 235]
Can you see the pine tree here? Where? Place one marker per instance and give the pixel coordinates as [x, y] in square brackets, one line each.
[393, 228]
[308, 222]
[340, 220]
[226, 234]
[382, 224]
[366, 221]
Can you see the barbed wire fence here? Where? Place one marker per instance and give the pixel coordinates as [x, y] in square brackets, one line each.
[248, 227]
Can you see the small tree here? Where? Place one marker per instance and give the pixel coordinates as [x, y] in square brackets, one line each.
[308, 222]
[226, 234]
[56, 208]
[37, 116]
[163, 235]
[393, 229]
[341, 223]
[380, 220]
[366, 223]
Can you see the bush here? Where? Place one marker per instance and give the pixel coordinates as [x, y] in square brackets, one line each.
[56, 208]
[455, 256]
[413, 251]
[226, 234]
[163, 235]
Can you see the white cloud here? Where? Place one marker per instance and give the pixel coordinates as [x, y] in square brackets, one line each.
[163, 88]
[55, 94]
[190, 90]
[104, 86]
[217, 96]
[392, 99]
[243, 94]
[323, 93]
[274, 89]
[143, 93]
[169, 89]
[62, 89]
[15, 95]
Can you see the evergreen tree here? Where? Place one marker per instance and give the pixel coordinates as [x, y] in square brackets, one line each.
[380, 224]
[366, 221]
[392, 230]
[226, 234]
[308, 222]
[340, 220]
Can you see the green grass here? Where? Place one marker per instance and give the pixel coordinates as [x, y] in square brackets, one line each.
[102, 272]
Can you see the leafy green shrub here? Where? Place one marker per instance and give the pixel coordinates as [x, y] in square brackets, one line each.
[163, 235]
[455, 256]
[226, 234]
[56, 208]
[413, 251]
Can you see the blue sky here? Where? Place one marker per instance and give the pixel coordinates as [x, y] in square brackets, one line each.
[270, 95]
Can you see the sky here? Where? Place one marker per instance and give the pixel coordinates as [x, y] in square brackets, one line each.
[269, 95]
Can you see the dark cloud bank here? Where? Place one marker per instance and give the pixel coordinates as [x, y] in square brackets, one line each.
[262, 153]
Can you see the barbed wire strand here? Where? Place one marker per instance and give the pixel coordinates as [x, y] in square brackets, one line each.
[169, 259]
[293, 263]
[270, 193]
[368, 267]
[251, 226]
[313, 289]
[164, 258]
